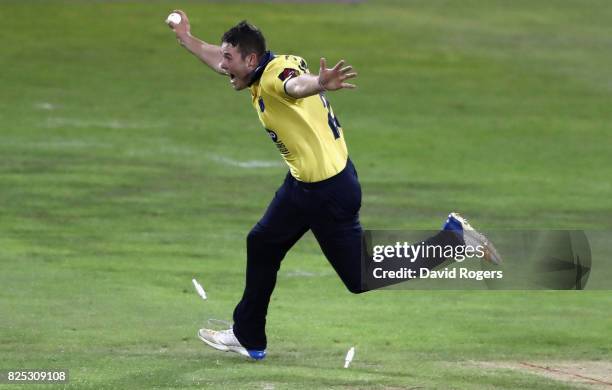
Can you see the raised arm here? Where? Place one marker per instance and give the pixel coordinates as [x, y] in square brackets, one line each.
[328, 79]
[206, 52]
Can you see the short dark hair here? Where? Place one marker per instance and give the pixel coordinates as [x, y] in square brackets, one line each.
[247, 38]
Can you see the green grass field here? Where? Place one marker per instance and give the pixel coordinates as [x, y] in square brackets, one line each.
[127, 168]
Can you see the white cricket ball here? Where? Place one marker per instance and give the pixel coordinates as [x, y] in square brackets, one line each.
[174, 17]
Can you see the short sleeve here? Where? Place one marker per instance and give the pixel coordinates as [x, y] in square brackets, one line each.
[287, 68]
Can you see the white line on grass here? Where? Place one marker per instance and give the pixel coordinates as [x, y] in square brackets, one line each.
[248, 164]
[59, 122]
[45, 106]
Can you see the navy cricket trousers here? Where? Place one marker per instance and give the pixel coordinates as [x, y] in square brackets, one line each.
[330, 208]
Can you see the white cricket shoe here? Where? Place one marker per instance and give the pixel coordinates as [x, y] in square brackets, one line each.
[225, 340]
[472, 237]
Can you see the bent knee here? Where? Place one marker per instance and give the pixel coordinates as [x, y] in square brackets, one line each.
[256, 235]
[252, 236]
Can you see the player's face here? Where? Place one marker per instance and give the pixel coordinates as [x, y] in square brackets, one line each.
[237, 68]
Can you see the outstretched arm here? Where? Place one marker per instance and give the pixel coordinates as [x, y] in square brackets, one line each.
[207, 53]
[329, 79]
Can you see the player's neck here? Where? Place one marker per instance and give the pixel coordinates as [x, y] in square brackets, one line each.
[263, 62]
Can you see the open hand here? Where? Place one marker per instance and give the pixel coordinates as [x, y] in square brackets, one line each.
[333, 79]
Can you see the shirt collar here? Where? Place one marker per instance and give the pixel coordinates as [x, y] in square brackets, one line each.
[256, 74]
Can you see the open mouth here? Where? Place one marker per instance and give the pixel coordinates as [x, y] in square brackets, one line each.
[233, 79]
